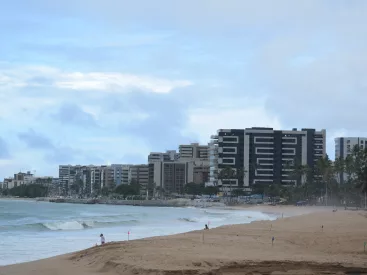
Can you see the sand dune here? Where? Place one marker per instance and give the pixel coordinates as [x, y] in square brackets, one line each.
[301, 246]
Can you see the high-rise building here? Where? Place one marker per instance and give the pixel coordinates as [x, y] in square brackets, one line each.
[172, 176]
[67, 176]
[194, 151]
[266, 155]
[89, 178]
[344, 147]
[140, 175]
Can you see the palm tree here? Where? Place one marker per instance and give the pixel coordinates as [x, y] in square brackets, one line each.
[227, 174]
[301, 174]
[360, 170]
[325, 170]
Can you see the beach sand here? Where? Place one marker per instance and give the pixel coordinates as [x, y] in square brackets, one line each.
[300, 246]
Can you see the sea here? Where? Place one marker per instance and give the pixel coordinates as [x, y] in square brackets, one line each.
[31, 230]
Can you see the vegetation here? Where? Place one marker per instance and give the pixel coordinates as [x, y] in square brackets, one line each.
[200, 189]
[27, 191]
[228, 176]
[132, 189]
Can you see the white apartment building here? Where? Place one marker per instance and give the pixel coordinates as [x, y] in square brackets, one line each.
[344, 147]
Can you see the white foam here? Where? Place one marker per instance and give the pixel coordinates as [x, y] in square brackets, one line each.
[71, 225]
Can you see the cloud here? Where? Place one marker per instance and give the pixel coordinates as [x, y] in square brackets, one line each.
[240, 115]
[74, 115]
[35, 141]
[176, 71]
[110, 82]
[62, 154]
[162, 124]
[210, 15]
[4, 151]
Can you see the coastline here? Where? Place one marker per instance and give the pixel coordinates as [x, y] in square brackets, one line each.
[148, 203]
[300, 246]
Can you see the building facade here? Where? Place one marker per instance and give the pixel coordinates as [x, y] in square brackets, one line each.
[169, 155]
[86, 179]
[140, 175]
[265, 155]
[121, 173]
[344, 147]
[172, 176]
[194, 151]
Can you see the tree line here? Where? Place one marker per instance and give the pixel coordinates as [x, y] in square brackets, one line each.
[27, 191]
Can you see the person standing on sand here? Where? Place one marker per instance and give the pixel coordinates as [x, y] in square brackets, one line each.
[102, 239]
[206, 227]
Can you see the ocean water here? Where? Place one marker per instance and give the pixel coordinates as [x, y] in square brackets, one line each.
[31, 230]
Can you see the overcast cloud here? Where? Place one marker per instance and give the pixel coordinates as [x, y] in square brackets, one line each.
[109, 81]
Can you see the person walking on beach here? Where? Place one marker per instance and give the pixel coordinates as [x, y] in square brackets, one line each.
[102, 239]
[206, 227]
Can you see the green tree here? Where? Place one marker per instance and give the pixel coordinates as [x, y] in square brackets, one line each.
[229, 174]
[211, 190]
[360, 170]
[192, 188]
[105, 191]
[29, 191]
[326, 173]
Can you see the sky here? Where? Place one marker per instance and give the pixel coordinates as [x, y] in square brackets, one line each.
[99, 82]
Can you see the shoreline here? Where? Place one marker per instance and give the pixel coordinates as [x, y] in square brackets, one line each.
[300, 245]
[146, 203]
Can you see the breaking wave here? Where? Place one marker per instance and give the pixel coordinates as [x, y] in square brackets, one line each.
[66, 225]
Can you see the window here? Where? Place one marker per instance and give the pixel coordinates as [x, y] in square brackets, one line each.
[289, 151]
[228, 161]
[264, 151]
[229, 150]
[264, 140]
[227, 139]
[264, 161]
[289, 140]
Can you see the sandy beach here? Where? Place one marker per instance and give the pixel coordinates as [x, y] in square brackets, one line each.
[319, 241]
